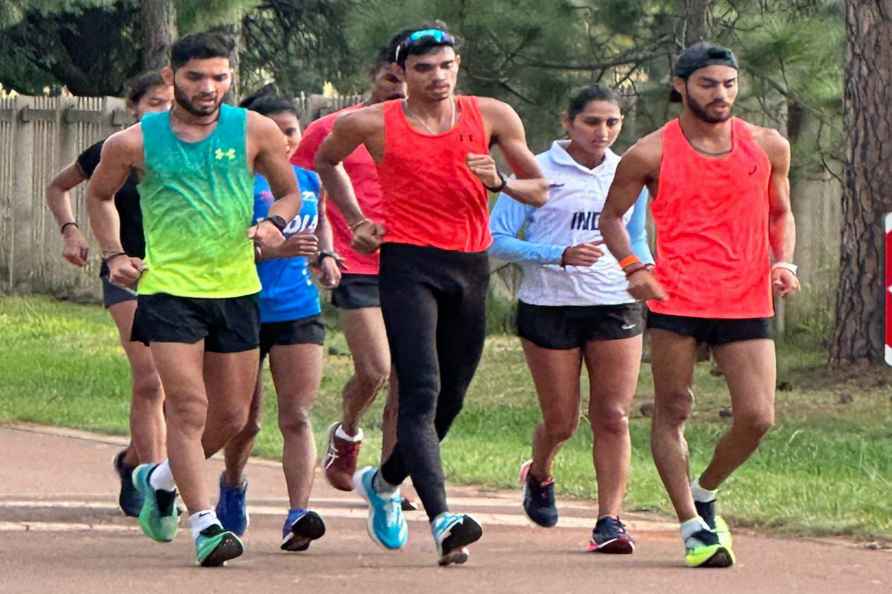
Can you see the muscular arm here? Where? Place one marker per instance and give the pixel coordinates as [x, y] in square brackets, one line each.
[350, 130]
[271, 162]
[529, 186]
[781, 226]
[119, 153]
[632, 174]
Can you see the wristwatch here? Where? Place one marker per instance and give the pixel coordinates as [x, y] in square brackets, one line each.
[276, 220]
[786, 266]
[323, 254]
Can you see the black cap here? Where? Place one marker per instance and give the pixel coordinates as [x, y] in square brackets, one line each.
[701, 55]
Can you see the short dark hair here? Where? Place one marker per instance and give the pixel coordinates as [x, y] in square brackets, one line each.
[268, 101]
[586, 95]
[200, 46]
[387, 54]
[424, 47]
[139, 85]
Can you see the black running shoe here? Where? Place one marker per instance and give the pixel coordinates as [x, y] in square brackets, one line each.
[538, 498]
[130, 499]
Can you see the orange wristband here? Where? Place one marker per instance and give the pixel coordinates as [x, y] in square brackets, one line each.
[628, 261]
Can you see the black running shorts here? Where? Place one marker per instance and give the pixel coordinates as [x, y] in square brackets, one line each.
[230, 325]
[712, 331]
[572, 326]
[356, 291]
[113, 294]
[309, 330]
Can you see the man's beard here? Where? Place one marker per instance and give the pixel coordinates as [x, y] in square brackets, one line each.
[185, 102]
[700, 112]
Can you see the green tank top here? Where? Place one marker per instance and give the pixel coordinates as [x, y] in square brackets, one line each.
[197, 201]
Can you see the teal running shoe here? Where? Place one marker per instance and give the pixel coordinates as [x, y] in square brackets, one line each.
[159, 515]
[215, 546]
[386, 524]
[452, 534]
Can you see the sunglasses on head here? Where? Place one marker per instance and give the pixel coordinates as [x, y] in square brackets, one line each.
[422, 37]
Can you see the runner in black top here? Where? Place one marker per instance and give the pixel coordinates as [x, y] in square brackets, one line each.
[146, 93]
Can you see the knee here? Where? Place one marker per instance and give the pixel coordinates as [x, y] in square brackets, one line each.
[561, 431]
[186, 414]
[754, 425]
[147, 388]
[232, 422]
[372, 375]
[674, 407]
[294, 420]
[611, 421]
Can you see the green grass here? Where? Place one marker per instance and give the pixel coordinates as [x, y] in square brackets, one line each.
[825, 469]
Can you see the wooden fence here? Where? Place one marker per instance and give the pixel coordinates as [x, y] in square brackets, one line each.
[39, 136]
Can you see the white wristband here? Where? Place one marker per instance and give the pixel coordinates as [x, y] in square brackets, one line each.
[786, 266]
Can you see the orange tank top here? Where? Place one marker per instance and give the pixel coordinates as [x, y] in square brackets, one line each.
[431, 198]
[711, 219]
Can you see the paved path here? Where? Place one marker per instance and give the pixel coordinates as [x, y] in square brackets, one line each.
[61, 532]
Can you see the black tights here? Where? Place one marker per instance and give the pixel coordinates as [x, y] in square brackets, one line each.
[434, 306]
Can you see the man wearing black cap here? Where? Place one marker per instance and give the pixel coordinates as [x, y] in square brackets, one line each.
[725, 240]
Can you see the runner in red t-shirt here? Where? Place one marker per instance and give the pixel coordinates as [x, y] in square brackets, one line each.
[725, 239]
[357, 295]
[432, 157]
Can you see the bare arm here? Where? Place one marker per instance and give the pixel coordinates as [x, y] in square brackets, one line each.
[75, 248]
[529, 186]
[329, 267]
[120, 153]
[781, 226]
[272, 163]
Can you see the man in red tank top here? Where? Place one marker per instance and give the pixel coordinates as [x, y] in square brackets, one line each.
[356, 297]
[725, 240]
[433, 163]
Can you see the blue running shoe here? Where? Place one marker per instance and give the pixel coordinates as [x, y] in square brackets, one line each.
[387, 525]
[232, 507]
[610, 536]
[129, 498]
[302, 526]
[452, 534]
[538, 498]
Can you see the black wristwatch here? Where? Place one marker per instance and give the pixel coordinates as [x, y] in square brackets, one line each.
[323, 254]
[278, 221]
[502, 183]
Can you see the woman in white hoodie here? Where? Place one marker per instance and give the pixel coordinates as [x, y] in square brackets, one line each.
[574, 308]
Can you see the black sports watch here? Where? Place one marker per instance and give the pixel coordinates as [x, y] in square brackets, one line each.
[276, 220]
[323, 254]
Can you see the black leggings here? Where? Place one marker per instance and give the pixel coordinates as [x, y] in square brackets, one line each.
[434, 306]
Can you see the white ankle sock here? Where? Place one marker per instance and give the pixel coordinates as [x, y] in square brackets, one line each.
[700, 494]
[692, 526]
[343, 434]
[201, 520]
[162, 477]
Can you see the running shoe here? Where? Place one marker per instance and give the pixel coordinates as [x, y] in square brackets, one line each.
[706, 510]
[129, 498]
[703, 549]
[610, 536]
[159, 514]
[215, 546]
[452, 535]
[232, 507]
[386, 524]
[340, 459]
[301, 527]
[538, 498]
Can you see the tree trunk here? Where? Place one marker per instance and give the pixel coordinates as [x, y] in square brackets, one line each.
[858, 336]
[696, 14]
[159, 30]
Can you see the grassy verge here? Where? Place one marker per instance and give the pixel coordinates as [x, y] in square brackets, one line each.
[825, 469]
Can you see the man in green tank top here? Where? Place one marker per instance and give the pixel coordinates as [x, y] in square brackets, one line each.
[197, 287]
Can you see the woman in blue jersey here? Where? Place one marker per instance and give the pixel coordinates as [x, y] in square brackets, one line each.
[292, 334]
[574, 308]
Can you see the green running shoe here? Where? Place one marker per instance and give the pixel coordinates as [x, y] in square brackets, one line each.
[215, 546]
[159, 515]
[716, 523]
[703, 549]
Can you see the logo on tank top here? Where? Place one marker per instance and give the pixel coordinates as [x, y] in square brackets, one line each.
[220, 154]
[585, 221]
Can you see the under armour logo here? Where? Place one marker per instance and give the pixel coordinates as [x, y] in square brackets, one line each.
[220, 153]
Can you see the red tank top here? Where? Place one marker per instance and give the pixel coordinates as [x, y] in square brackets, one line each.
[711, 218]
[431, 198]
